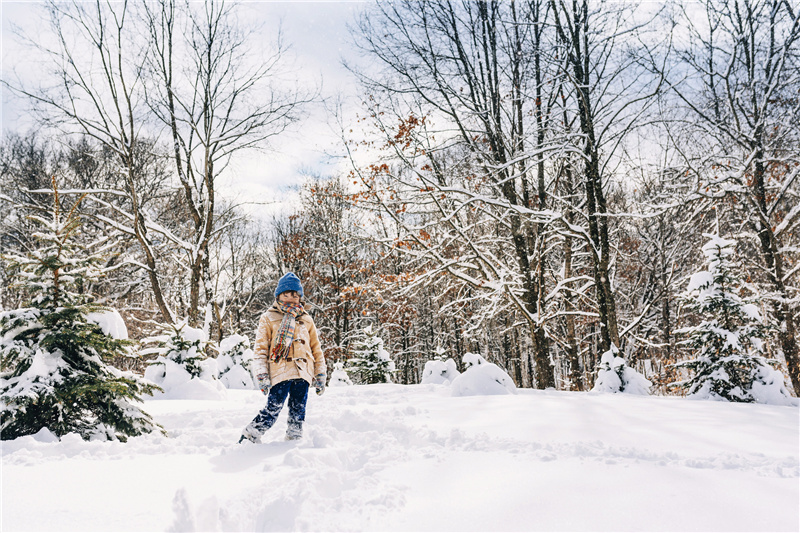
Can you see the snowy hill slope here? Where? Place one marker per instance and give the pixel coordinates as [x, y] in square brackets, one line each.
[405, 458]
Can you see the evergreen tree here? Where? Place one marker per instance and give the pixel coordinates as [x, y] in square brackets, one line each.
[54, 358]
[728, 364]
[339, 377]
[370, 363]
[614, 375]
[182, 368]
[181, 348]
[233, 362]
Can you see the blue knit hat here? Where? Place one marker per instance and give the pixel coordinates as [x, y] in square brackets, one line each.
[289, 282]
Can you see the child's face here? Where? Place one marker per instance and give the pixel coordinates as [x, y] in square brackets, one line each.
[289, 297]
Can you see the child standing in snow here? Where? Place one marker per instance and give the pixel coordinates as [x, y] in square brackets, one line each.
[288, 359]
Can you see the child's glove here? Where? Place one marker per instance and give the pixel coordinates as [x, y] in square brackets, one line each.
[264, 383]
[319, 383]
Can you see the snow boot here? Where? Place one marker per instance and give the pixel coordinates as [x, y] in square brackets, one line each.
[294, 432]
[252, 434]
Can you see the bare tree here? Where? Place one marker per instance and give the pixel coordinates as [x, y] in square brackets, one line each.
[96, 64]
[606, 93]
[184, 66]
[342, 260]
[240, 276]
[216, 96]
[450, 68]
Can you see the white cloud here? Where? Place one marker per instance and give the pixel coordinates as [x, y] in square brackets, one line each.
[263, 179]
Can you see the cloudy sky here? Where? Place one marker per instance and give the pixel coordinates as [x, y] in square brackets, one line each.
[318, 35]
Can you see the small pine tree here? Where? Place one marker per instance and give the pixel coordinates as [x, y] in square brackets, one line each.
[55, 361]
[727, 344]
[370, 362]
[180, 346]
[614, 375]
[234, 361]
[339, 377]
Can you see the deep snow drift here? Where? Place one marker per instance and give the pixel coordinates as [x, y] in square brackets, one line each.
[393, 457]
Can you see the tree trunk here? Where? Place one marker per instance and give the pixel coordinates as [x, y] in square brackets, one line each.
[140, 230]
[573, 354]
[576, 41]
[770, 251]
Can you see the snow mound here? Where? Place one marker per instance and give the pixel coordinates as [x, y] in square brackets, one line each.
[44, 435]
[614, 375]
[194, 389]
[178, 384]
[111, 322]
[481, 379]
[769, 388]
[237, 377]
[234, 362]
[473, 359]
[339, 377]
[440, 372]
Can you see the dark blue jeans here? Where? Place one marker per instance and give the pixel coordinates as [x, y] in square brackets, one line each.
[297, 390]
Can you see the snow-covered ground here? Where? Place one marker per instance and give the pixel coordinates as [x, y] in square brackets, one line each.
[411, 458]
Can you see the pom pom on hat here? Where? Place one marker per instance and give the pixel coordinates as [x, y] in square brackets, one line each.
[289, 282]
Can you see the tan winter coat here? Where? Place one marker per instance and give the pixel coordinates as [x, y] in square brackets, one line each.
[305, 359]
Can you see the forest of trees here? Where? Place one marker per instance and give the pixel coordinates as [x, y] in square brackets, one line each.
[529, 180]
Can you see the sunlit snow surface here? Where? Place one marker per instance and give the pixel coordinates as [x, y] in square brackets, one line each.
[411, 458]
